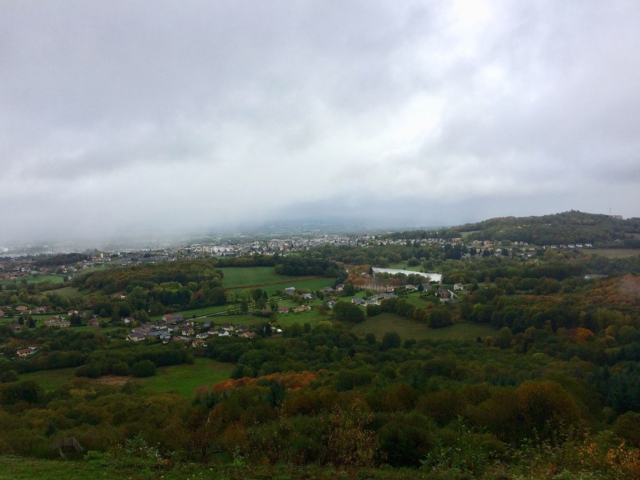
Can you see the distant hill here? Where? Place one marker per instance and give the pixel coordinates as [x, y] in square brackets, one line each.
[561, 228]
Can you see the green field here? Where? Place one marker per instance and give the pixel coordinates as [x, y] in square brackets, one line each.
[67, 292]
[36, 279]
[466, 234]
[49, 379]
[198, 312]
[312, 284]
[95, 268]
[238, 277]
[611, 252]
[284, 319]
[182, 378]
[132, 468]
[416, 301]
[187, 378]
[412, 329]
[19, 468]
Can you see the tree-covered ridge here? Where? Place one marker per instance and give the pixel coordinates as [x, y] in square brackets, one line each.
[563, 228]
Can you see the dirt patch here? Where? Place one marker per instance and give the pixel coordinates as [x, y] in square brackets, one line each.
[113, 380]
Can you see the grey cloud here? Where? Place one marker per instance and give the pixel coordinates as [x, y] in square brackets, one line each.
[197, 114]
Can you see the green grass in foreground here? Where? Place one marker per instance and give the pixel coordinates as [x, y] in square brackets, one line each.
[19, 468]
[412, 329]
[182, 378]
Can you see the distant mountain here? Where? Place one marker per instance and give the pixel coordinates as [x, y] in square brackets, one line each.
[562, 228]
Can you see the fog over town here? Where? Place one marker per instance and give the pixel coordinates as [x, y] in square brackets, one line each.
[157, 118]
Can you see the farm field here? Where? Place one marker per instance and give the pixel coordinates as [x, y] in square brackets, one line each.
[284, 319]
[198, 312]
[611, 252]
[312, 284]
[183, 378]
[237, 278]
[240, 276]
[412, 329]
[67, 292]
[95, 268]
[36, 279]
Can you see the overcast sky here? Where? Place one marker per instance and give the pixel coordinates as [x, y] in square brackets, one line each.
[120, 116]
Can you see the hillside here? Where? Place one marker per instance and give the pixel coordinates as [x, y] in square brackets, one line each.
[561, 228]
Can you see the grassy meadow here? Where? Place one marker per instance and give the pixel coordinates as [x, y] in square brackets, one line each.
[199, 312]
[241, 276]
[67, 292]
[412, 329]
[49, 380]
[35, 279]
[20, 468]
[187, 378]
[184, 379]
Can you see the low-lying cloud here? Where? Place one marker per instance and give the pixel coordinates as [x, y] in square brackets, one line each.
[119, 116]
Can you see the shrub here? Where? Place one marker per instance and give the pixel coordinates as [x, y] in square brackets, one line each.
[9, 376]
[121, 369]
[89, 371]
[145, 368]
[390, 340]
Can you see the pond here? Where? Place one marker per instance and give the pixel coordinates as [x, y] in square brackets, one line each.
[434, 277]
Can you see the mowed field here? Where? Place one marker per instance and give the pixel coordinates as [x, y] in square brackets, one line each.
[184, 379]
[238, 277]
[412, 329]
[37, 279]
[611, 252]
[284, 319]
